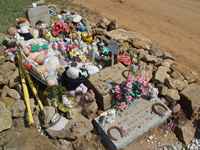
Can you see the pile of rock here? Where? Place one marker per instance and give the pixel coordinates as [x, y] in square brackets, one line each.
[160, 67]
[177, 88]
[11, 105]
[13, 120]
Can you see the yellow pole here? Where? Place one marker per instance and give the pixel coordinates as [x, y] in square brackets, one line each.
[34, 91]
[25, 91]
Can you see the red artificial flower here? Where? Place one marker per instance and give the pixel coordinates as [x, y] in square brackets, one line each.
[124, 59]
[59, 27]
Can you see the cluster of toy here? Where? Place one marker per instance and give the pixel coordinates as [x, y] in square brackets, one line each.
[49, 49]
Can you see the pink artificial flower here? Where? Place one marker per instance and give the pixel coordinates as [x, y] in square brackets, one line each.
[122, 106]
[117, 89]
[129, 86]
[55, 46]
[129, 98]
[71, 46]
[118, 96]
[129, 78]
[144, 91]
[142, 80]
[61, 46]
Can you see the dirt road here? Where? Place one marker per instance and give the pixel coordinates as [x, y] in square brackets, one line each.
[174, 24]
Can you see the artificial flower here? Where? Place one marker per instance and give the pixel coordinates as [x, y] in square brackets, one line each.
[59, 27]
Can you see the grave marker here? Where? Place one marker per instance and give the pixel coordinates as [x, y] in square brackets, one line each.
[136, 121]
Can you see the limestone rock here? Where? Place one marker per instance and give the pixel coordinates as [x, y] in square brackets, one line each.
[18, 109]
[12, 83]
[192, 93]
[14, 75]
[167, 63]
[103, 23]
[59, 130]
[99, 83]
[2, 81]
[2, 56]
[121, 34]
[150, 58]
[112, 25]
[155, 50]
[5, 117]
[90, 109]
[172, 94]
[14, 94]
[167, 55]
[6, 67]
[138, 40]
[164, 90]
[177, 75]
[49, 112]
[161, 74]
[99, 31]
[26, 139]
[6, 91]
[176, 83]
[9, 102]
[65, 145]
[142, 53]
[19, 122]
[8, 74]
[188, 132]
[70, 129]
[189, 75]
[142, 44]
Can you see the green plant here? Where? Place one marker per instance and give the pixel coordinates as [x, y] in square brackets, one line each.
[10, 10]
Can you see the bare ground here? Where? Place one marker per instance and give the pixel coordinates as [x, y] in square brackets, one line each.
[174, 24]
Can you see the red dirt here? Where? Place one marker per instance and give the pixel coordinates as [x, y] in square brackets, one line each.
[175, 25]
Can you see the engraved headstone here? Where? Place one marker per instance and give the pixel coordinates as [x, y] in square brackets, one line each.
[134, 122]
[38, 13]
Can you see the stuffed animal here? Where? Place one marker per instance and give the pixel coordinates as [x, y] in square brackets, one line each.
[24, 28]
[74, 76]
[73, 72]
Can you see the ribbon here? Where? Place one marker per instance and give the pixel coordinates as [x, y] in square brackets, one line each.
[37, 47]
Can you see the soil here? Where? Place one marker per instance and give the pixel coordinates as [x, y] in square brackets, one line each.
[172, 24]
